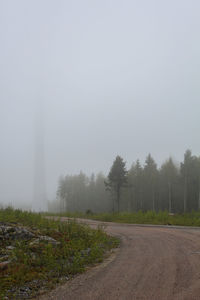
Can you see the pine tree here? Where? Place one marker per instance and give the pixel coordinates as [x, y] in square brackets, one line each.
[117, 178]
[135, 185]
[169, 174]
[150, 180]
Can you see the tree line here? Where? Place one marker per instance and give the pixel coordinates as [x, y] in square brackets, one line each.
[171, 187]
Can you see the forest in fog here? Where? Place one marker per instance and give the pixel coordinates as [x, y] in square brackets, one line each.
[171, 187]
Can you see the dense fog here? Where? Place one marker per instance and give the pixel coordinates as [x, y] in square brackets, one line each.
[171, 187]
[84, 81]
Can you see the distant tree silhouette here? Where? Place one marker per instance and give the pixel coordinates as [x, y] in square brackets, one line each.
[172, 187]
[117, 178]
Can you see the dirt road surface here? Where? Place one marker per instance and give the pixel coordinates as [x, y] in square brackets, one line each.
[152, 263]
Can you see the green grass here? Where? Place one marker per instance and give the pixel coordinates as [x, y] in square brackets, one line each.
[149, 217]
[43, 265]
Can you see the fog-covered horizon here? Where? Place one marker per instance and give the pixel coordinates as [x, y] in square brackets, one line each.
[116, 78]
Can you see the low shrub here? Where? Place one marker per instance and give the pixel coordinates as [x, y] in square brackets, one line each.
[39, 262]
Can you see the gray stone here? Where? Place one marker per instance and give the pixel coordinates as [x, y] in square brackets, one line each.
[10, 248]
[15, 233]
[45, 239]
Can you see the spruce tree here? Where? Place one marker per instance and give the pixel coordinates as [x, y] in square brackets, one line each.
[117, 178]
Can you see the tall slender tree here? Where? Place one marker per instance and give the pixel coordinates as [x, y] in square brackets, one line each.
[117, 178]
[189, 179]
[150, 177]
[135, 185]
[169, 173]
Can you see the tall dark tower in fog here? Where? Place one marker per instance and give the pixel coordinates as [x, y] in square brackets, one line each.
[39, 196]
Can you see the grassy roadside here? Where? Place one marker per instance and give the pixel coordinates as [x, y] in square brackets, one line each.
[149, 217]
[40, 253]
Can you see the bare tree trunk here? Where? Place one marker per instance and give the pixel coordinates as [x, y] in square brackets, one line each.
[60, 205]
[118, 197]
[141, 200]
[153, 200]
[185, 195]
[131, 198]
[170, 196]
[199, 201]
[113, 201]
[199, 196]
[130, 201]
[136, 199]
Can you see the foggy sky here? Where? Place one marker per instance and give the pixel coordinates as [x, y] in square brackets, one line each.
[116, 77]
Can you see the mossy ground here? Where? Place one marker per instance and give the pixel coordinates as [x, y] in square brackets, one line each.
[42, 265]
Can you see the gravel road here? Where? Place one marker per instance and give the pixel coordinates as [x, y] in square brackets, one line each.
[152, 263]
